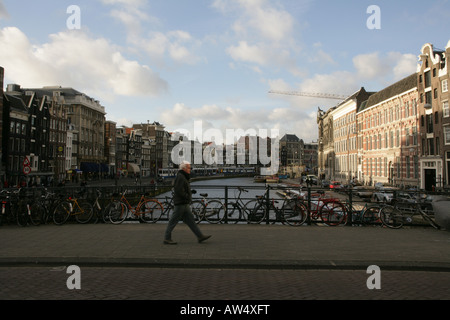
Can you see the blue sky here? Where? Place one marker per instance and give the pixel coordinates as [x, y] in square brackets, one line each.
[178, 61]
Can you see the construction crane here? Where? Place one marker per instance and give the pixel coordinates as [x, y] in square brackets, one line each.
[308, 94]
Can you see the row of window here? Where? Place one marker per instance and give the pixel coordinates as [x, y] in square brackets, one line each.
[379, 167]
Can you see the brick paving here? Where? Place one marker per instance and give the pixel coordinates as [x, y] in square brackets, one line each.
[240, 262]
[119, 283]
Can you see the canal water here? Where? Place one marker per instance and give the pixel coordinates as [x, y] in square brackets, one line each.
[217, 188]
[223, 188]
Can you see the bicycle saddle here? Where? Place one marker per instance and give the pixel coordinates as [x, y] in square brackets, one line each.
[205, 195]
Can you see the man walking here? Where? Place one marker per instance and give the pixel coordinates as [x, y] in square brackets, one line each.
[182, 205]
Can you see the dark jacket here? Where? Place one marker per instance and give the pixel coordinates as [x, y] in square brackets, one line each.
[182, 189]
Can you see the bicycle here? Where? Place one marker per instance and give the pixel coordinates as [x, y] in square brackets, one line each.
[330, 211]
[212, 211]
[147, 210]
[367, 215]
[81, 209]
[10, 203]
[38, 208]
[239, 210]
[395, 215]
[168, 206]
[100, 208]
[292, 211]
[24, 214]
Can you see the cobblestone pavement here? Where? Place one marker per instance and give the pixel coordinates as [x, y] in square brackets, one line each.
[239, 263]
[51, 283]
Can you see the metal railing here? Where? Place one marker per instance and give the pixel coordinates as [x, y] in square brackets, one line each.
[226, 194]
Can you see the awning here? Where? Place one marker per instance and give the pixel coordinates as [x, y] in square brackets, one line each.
[133, 168]
[94, 167]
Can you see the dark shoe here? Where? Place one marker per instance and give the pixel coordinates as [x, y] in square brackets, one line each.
[169, 242]
[200, 240]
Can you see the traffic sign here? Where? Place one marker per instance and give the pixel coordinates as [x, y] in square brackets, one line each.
[26, 170]
[26, 162]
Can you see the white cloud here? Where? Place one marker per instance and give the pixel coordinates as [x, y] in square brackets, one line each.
[241, 120]
[264, 34]
[248, 53]
[178, 45]
[73, 58]
[389, 68]
[406, 65]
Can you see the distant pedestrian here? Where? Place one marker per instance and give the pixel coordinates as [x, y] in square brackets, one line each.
[182, 199]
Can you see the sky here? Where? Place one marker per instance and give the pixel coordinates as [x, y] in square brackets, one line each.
[211, 64]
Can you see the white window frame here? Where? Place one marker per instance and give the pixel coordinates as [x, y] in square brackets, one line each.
[445, 109]
[447, 134]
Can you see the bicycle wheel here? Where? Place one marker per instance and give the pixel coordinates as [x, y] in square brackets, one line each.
[22, 214]
[117, 212]
[150, 211]
[371, 216]
[214, 211]
[295, 213]
[391, 217]
[167, 210]
[61, 212]
[427, 214]
[234, 212]
[198, 210]
[255, 211]
[37, 213]
[332, 213]
[83, 211]
[106, 212]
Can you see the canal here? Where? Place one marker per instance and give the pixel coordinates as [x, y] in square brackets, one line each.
[228, 188]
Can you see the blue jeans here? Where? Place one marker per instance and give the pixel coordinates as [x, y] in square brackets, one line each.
[182, 212]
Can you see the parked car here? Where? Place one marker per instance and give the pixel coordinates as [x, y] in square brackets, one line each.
[383, 195]
[345, 188]
[362, 192]
[312, 179]
[379, 185]
[325, 184]
[335, 185]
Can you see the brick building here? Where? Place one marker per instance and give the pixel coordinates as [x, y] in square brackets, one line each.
[432, 79]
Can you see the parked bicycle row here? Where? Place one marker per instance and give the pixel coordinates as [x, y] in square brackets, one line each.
[297, 207]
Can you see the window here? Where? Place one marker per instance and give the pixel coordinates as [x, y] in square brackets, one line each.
[429, 123]
[430, 145]
[408, 172]
[428, 97]
[444, 85]
[416, 167]
[437, 145]
[447, 134]
[407, 136]
[414, 133]
[445, 110]
[427, 79]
